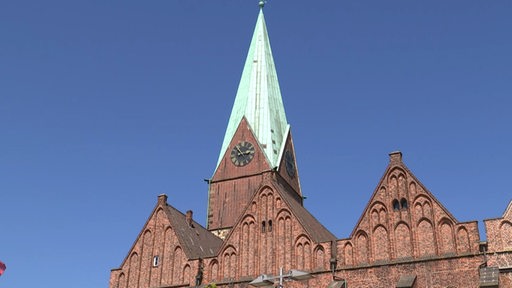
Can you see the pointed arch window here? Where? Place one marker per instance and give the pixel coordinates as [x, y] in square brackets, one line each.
[396, 205]
[403, 204]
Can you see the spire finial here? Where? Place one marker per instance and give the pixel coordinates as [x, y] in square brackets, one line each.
[262, 4]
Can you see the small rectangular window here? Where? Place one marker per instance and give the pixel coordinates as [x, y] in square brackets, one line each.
[156, 261]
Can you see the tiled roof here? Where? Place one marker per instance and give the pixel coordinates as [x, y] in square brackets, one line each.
[313, 227]
[196, 241]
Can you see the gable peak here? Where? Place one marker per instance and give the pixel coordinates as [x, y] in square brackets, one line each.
[395, 157]
[162, 199]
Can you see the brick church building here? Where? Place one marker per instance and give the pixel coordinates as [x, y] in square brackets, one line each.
[257, 223]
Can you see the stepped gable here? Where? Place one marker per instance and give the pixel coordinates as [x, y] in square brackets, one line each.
[273, 231]
[279, 200]
[404, 220]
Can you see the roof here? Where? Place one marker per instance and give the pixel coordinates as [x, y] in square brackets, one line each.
[258, 98]
[313, 227]
[196, 241]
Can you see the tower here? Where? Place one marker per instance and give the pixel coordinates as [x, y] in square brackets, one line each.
[257, 142]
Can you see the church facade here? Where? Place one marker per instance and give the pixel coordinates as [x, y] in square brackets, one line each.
[257, 224]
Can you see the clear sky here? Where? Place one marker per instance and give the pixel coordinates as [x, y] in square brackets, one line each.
[106, 104]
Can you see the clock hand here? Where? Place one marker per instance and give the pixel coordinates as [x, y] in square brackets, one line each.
[239, 151]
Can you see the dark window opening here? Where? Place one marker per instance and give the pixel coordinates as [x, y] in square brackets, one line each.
[396, 205]
[483, 247]
[269, 225]
[263, 229]
[404, 204]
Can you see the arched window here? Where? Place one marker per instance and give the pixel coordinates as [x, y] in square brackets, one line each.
[404, 204]
[396, 205]
[263, 228]
[269, 225]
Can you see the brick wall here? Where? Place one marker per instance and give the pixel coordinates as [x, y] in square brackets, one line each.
[404, 230]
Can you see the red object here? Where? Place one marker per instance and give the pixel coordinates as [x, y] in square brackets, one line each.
[2, 267]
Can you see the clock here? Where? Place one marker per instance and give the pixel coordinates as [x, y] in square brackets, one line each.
[289, 163]
[242, 153]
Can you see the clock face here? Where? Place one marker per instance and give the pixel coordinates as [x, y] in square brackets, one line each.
[290, 163]
[242, 153]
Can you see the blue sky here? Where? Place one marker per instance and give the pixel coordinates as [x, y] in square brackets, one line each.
[106, 104]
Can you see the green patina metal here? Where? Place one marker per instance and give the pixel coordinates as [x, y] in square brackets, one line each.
[258, 98]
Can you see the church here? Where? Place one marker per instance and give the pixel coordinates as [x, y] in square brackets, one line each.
[258, 233]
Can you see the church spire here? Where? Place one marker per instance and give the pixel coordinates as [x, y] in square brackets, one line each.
[258, 98]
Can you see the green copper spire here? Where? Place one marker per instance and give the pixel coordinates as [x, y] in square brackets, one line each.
[259, 98]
